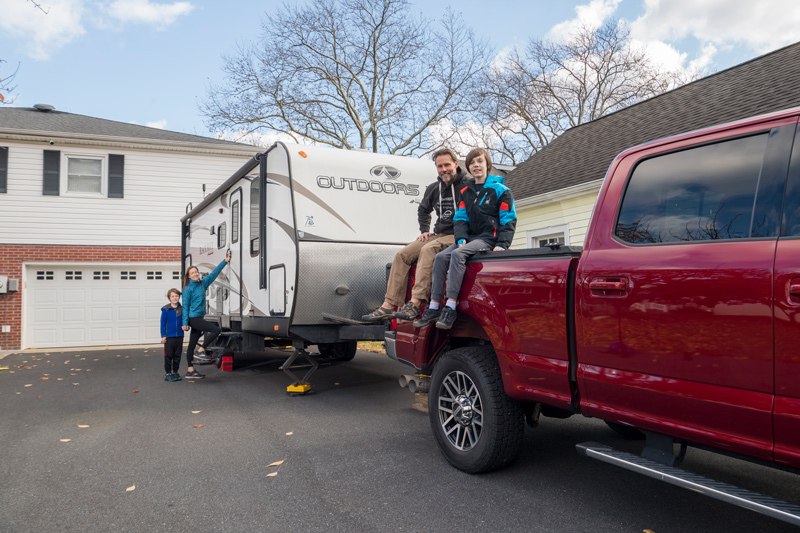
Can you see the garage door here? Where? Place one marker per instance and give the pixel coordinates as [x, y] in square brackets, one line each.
[70, 305]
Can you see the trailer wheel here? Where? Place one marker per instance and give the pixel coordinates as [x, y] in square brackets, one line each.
[477, 427]
[339, 351]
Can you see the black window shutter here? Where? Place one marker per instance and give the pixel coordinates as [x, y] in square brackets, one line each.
[3, 169]
[116, 172]
[52, 173]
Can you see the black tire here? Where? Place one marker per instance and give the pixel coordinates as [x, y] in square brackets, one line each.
[338, 351]
[484, 431]
[628, 432]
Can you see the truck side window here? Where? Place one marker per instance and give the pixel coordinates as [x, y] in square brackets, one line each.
[791, 210]
[699, 194]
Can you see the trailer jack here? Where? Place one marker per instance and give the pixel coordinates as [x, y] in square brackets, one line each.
[299, 386]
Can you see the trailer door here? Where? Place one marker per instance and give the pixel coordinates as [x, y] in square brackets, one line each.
[235, 302]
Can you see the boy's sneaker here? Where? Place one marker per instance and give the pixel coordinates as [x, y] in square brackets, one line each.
[176, 376]
[447, 319]
[379, 314]
[428, 317]
[408, 312]
[168, 377]
[194, 374]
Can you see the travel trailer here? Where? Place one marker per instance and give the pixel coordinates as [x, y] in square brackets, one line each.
[311, 231]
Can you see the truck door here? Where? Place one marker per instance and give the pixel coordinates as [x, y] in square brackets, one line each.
[787, 322]
[235, 301]
[675, 291]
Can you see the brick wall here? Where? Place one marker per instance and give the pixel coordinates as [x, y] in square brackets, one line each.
[12, 256]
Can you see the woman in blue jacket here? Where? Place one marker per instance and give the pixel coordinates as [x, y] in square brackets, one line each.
[194, 306]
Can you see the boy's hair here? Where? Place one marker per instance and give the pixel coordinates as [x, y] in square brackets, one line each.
[176, 291]
[445, 151]
[475, 152]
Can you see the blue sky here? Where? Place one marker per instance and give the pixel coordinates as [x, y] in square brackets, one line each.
[151, 62]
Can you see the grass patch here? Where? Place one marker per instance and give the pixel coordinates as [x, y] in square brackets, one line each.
[372, 346]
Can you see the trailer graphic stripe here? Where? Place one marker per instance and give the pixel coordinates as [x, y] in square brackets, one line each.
[299, 189]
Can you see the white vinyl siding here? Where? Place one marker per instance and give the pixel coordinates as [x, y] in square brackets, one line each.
[574, 213]
[158, 186]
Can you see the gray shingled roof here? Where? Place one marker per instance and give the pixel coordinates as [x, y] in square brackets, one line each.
[583, 154]
[31, 119]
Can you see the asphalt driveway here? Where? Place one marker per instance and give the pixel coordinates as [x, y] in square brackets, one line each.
[97, 441]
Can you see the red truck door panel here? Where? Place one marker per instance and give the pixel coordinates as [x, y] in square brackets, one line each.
[787, 323]
[674, 292]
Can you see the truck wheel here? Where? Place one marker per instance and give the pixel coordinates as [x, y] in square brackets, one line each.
[477, 427]
[339, 351]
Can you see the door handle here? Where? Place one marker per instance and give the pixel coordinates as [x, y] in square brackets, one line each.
[794, 290]
[609, 286]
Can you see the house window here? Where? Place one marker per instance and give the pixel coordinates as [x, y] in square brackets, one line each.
[74, 275]
[551, 236]
[176, 274]
[128, 275]
[44, 275]
[153, 275]
[85, 175]
[101, 275]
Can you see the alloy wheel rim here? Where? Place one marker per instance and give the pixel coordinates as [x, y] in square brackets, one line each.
[460, 411]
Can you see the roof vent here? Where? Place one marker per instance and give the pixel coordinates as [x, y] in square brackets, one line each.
[45, 108]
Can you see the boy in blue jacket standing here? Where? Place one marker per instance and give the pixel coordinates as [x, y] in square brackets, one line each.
[172, 335]
[485, 220]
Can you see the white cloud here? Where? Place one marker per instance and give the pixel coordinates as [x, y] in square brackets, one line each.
[259, 139]
[760, 26]
[146, 12]
[160, 124]
[591, 15]
[40, 34]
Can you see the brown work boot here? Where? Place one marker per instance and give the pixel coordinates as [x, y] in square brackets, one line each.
[408, 312]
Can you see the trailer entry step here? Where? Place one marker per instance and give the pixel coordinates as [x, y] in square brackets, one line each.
[761, 503]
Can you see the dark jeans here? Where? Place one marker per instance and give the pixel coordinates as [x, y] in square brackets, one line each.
[199, 327]
[172, 354]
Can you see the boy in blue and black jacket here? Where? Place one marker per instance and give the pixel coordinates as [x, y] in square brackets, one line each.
[172, 335]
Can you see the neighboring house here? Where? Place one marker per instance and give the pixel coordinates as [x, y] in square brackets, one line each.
[556, 188]
[90, 223]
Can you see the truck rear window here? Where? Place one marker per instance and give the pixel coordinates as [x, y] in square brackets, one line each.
[699, 194]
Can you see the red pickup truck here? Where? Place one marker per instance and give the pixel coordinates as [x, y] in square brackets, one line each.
[676, 320]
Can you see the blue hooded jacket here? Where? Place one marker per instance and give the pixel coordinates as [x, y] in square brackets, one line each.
[487, 214]
[171, 321]
[194, 295]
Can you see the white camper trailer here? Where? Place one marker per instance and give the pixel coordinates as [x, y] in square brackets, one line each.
[311, 230]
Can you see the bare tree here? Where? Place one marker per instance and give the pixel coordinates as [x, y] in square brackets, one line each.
[350, 73]
[6, 85]
[532, 96]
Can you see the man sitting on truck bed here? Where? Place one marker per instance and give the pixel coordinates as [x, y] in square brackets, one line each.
[440, 197]
[485, 220]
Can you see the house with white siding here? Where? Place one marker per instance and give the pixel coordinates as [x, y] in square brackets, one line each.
[555, 190]
[90, 224]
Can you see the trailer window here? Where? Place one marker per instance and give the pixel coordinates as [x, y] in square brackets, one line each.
[221, 237]
[235, 222]
[699, 194]
[255, 198]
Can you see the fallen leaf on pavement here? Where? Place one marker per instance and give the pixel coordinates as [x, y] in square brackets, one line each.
[134, 392]
[290, 433]
[3, 368]
[65, 440]
[76, 383]
[195, 412]
[198, 425]
[132, 487]
[271, 474]
[276, 463]
[29, 385]
[82, 426]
